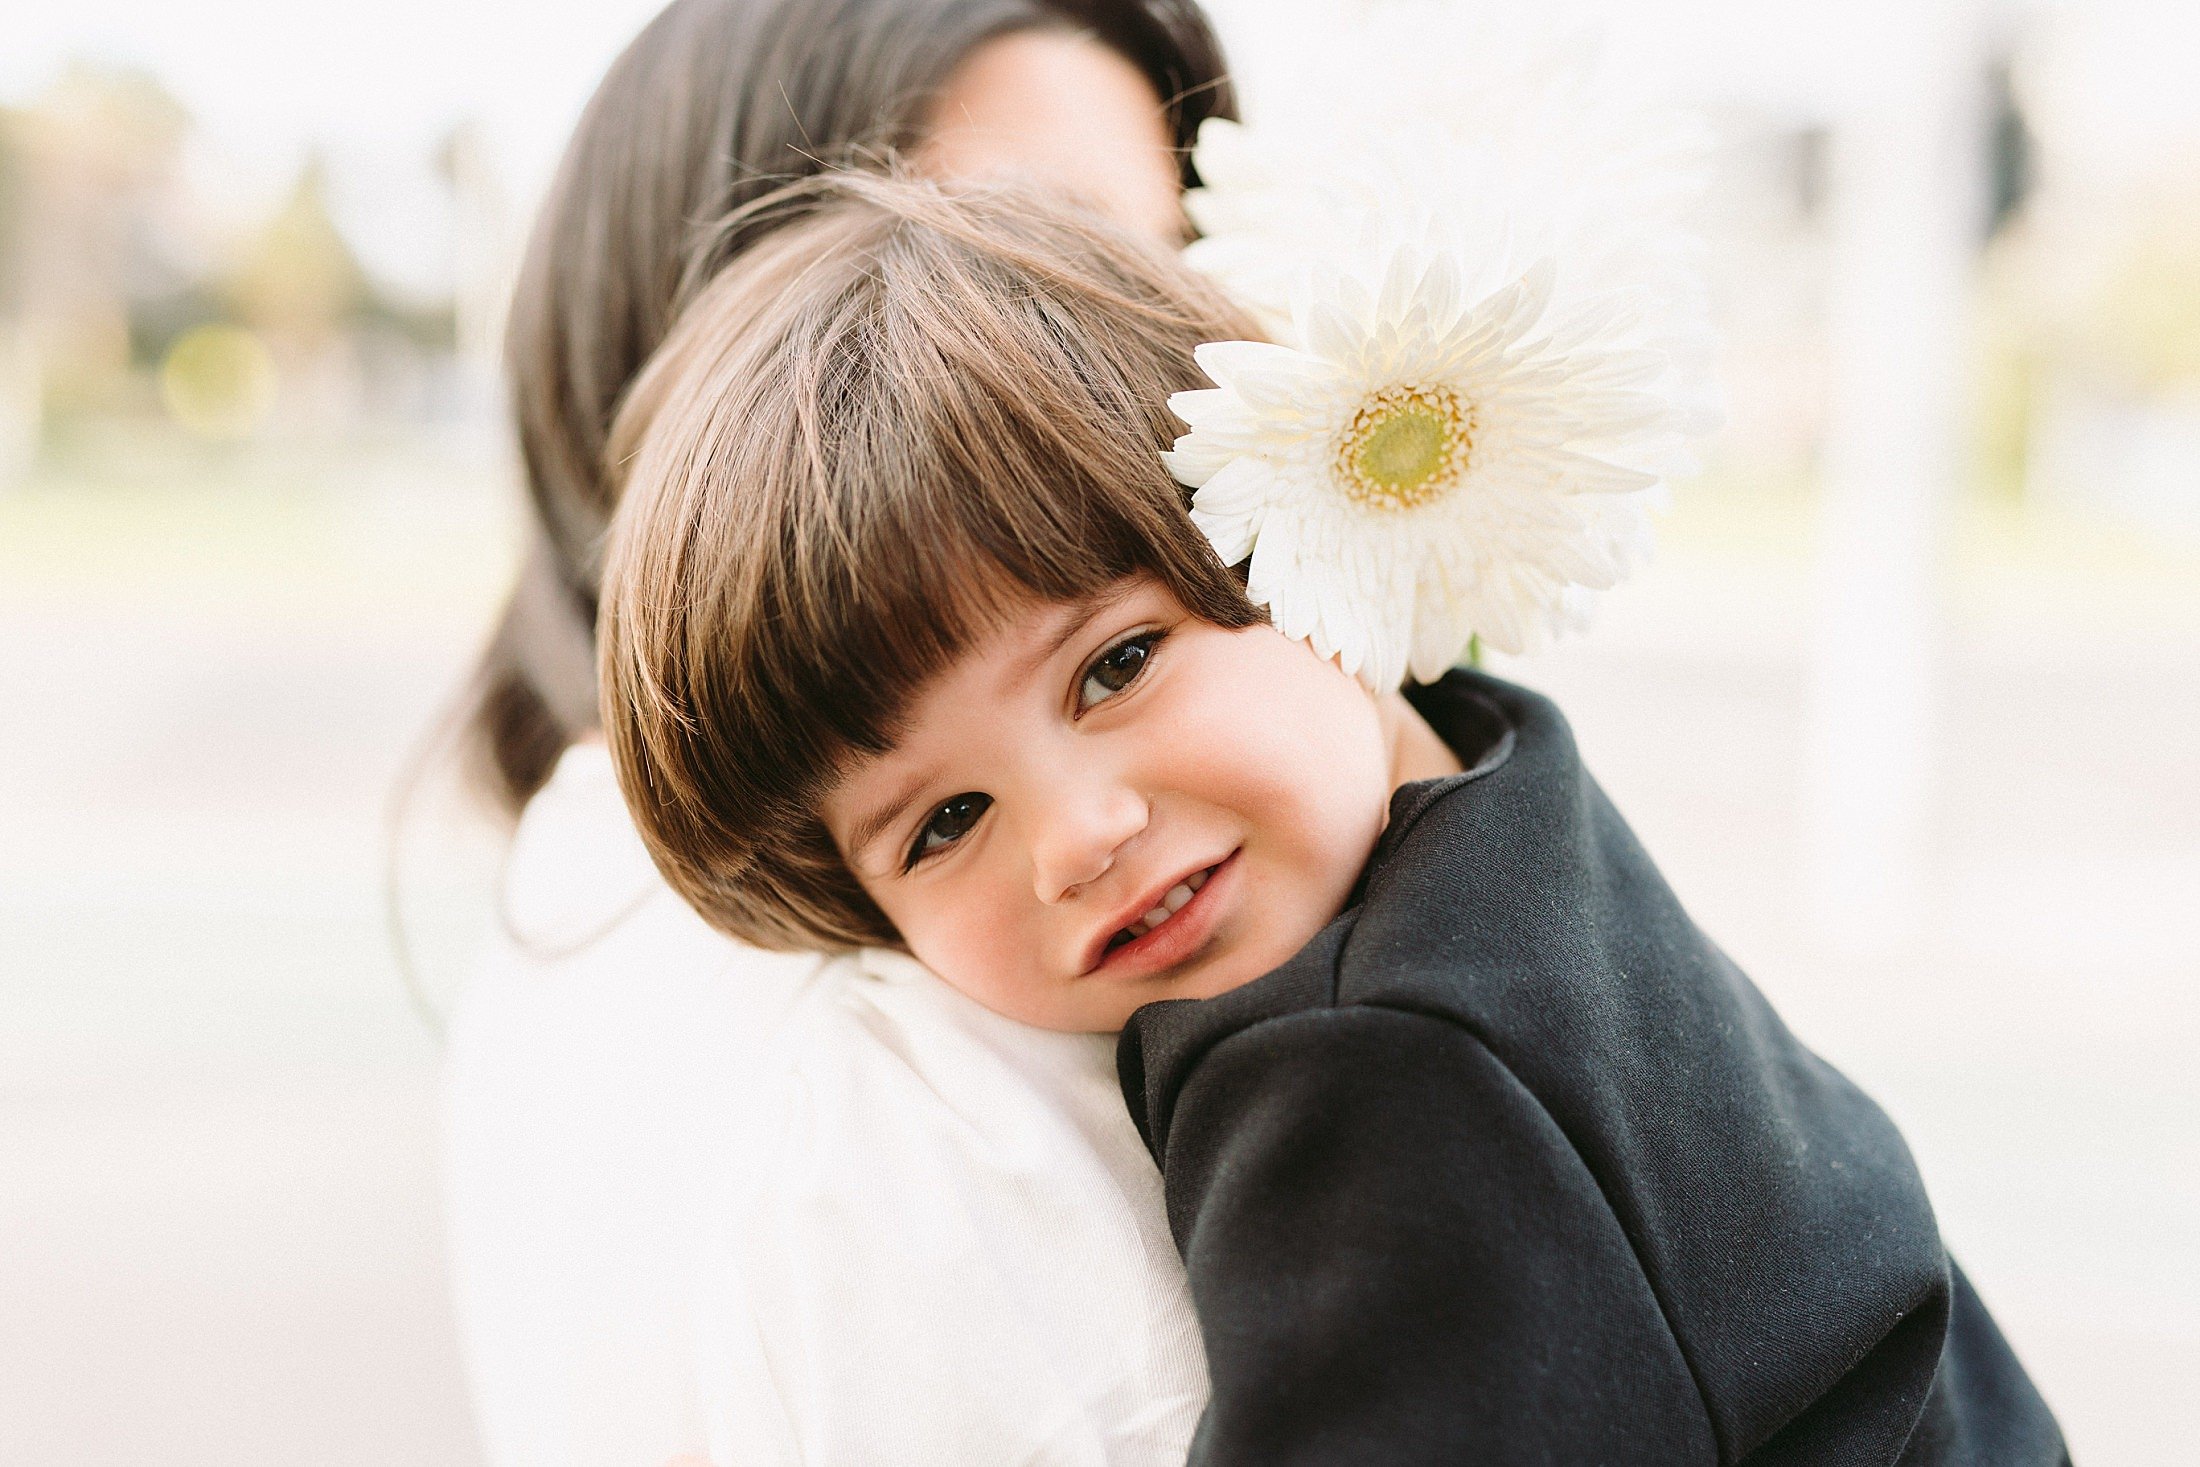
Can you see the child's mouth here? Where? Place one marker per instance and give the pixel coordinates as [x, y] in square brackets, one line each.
[1171, 903]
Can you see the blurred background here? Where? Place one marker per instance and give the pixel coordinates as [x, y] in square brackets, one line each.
[1907, 707]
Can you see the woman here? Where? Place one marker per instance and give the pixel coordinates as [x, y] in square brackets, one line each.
[677, 1220]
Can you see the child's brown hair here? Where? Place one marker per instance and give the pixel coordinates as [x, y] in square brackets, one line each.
[887, 426]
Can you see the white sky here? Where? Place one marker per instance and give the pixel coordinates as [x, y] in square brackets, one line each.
[376, 84]
[387, 72]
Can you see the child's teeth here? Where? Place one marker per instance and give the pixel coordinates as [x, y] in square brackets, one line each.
[1171, 904]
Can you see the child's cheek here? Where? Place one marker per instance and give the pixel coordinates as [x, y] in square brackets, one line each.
[984, 947]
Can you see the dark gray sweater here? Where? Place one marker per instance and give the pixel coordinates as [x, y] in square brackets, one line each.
[1511, 1165]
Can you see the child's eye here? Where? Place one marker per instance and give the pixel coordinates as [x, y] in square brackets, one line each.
[1116, 669]
[949, 823]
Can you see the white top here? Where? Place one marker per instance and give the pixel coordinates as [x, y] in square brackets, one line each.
[786, 1208]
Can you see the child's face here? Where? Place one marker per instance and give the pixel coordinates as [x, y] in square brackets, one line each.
[1085, 767]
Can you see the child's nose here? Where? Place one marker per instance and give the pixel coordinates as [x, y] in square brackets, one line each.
[1077, 838]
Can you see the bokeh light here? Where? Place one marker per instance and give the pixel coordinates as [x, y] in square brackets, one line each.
[218, 382]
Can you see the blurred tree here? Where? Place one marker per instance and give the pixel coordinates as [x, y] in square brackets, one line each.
[94, 202]
[2145, 319]
[298, 282]
[2010, 149]
[21, 408]
[13, 216]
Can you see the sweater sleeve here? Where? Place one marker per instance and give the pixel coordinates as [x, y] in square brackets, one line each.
[1397, 1258]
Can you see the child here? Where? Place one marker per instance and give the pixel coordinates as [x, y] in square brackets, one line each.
[1476, 1150]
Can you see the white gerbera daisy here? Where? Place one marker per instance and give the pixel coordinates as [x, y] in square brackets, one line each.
[1467, 441]
[1430, 464]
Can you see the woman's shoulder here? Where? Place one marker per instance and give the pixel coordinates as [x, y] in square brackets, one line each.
[598, 1068]
[933, 1176]
[659, 1140]
[598, 978]
[578, 884]
[890, 1058]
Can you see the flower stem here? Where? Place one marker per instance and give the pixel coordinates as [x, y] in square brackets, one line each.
[1474, 651]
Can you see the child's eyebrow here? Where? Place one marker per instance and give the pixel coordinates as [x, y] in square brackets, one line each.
[1074, 616]
[874, 824]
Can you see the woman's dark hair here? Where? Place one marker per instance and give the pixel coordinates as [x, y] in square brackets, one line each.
[714, 105]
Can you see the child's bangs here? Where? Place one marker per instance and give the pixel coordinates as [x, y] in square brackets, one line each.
[1044, 491]
[983, 429]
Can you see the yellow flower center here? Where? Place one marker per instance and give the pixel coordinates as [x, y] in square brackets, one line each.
[1405, 447]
